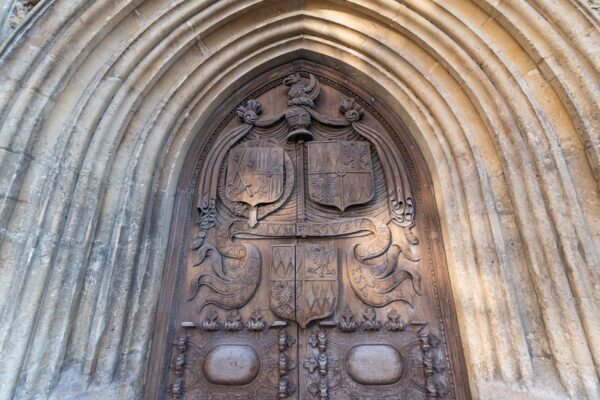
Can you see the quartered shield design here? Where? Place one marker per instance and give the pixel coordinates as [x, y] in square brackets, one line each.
[340, 173]
[304, 282]
[255, 174]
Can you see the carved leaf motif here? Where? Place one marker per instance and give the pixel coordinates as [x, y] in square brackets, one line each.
[408, 253]
[410, 237]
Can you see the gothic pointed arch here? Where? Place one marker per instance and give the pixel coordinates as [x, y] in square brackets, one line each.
[310, 218]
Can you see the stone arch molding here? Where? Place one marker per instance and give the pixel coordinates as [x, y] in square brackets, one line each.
[101, 101]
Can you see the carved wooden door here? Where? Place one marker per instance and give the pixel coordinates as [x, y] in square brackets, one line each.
[312, 268]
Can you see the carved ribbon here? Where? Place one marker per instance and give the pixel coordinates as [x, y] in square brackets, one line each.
[364, 251]
[308, 229]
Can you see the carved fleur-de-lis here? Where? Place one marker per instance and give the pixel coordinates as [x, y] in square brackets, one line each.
[370, 322]
[211, 322]
[284, 341]
[283, 364]
[311, 364]
[352, 111]
[323, 389]
[249, 112]
[177, 388]
[369, 314]
[313, 341]
[234, 322]
[181, 343]
[256, 323]
[394, 323]
[322, 341]
[347, 324]
[322, 363]
[286, 388]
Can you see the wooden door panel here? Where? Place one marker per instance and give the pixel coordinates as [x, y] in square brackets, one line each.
[311, 264]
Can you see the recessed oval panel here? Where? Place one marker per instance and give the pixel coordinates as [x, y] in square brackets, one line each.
[231, 365]
[374, 364]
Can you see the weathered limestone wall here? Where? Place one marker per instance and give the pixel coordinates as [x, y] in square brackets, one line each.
[100, 100]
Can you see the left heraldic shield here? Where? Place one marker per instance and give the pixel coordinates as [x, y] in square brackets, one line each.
[254, 176]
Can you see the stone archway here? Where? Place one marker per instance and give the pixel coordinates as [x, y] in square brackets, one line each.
[102, 100]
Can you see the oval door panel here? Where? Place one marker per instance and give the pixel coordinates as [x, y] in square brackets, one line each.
[231, 365]
[374, 364]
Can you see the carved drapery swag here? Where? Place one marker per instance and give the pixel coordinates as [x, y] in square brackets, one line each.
[306, 218]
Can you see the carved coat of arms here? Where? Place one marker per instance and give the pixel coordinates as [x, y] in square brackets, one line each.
[255, 176]
[340, 173]
[304, 282]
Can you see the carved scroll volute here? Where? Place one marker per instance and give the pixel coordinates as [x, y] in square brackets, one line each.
[226, 287]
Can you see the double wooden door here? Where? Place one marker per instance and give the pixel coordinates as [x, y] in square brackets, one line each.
[310, 265]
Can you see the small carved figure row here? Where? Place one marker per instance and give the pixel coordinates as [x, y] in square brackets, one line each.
[316, 365]
[233, 322]
[285, 364]
[179, 367]
[370, 322]
[435, 365]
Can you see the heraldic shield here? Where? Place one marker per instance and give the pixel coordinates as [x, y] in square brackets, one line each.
[304, 282]
[340, 173]
[255, 176]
